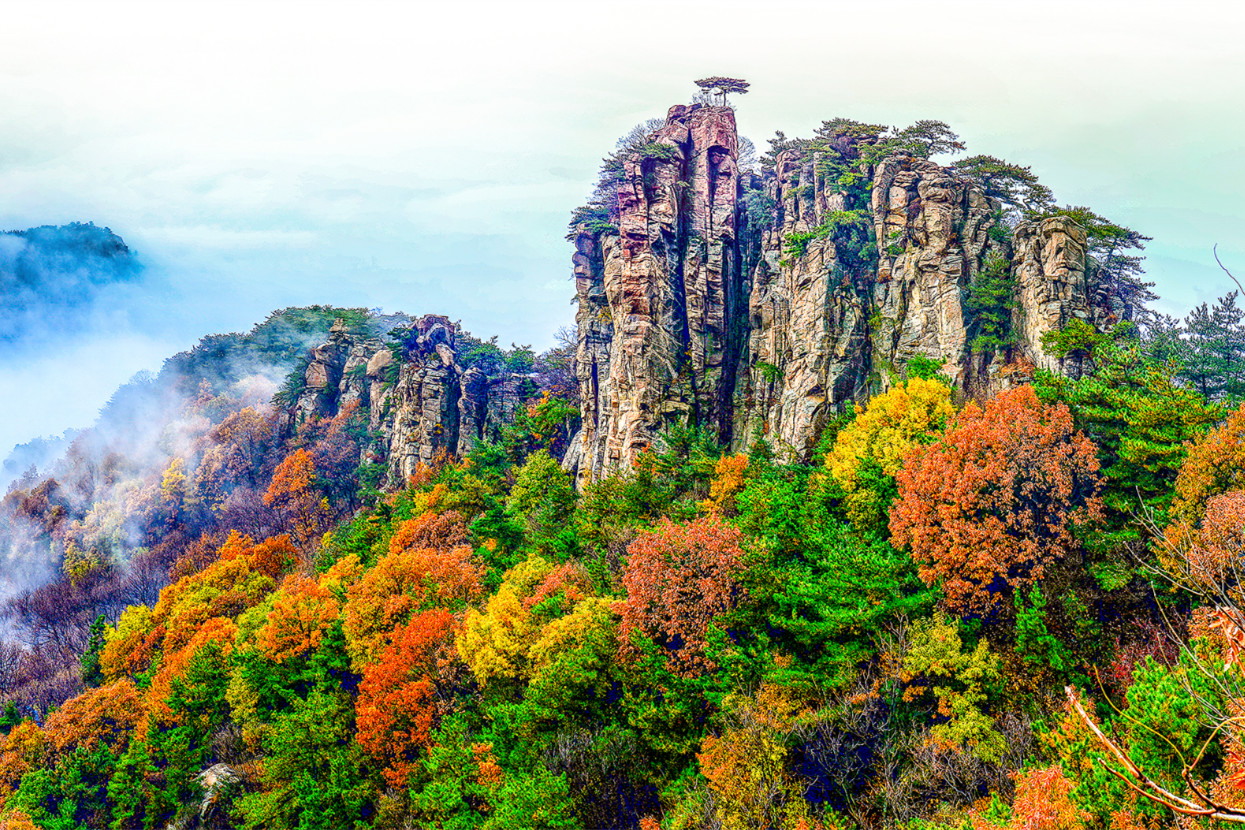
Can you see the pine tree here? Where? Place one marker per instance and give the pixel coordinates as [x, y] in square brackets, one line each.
[1215, 335]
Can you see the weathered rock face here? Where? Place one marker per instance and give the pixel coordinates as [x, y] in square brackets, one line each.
[335, 376]
[418, 398]
[423, 405]
[1052, 287]
[807, 322]
[933, 231]
[844, 288]
[659, 298]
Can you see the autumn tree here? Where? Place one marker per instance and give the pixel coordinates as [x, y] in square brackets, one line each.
[728, 479]
[993, 503]
[103, 716]
[301, 614]
[403, 582]
[397, 705]
[496, 641]
[679, 579]
[1215, 464]
[572, 661]
[939, 668]
[747, 767]
[869, 452]
[293, 493]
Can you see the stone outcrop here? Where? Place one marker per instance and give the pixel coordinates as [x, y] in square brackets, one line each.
[933, 231]
[335, 374]
[808, 346]
[689, 313]
[658, 300]
[1052, 286]
[419, 397]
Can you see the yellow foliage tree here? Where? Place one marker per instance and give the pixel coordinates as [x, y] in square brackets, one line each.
[870, 451]
[495, 642]
[746, 766]
[173, 484]
[728, 480]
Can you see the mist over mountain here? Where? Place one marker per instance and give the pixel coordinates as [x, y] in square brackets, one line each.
[53, 276]
[869, 490]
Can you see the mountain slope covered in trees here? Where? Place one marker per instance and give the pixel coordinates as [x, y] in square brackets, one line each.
[340, 571]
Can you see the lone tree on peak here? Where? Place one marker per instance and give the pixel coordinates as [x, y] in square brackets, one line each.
[723, 86]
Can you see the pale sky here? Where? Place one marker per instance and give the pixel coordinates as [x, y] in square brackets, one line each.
[424, 157]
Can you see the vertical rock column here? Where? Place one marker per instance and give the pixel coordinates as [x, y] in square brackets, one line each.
[657, 299]
[933, 233]
[1049, 266]
[808, 346]
[711, 267]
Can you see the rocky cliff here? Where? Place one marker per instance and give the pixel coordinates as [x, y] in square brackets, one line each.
[660, 298]
[420, 389]
[765, 303]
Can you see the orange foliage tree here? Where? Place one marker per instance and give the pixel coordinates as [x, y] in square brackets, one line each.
[398, 696]
[242, 575]
[431, 530]
[1205, 559]
[271, 557]
[401, 583]
[103, 716]
[678, 579]
[1214, 465]
[994, 502]
[296, 499]
[22, 750]
[302, 612]
[1043, 801]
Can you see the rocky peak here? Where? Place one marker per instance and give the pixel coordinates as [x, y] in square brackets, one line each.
[418, 396]
[658, 296]
[689, 313]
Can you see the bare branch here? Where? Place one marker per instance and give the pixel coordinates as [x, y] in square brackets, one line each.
[1215, 251]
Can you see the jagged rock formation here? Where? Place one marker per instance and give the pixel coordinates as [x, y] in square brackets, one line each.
[420, 394]
[1052, 287]
[659, 299]
[764, 304]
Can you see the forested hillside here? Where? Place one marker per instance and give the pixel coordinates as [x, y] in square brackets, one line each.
[352, 570]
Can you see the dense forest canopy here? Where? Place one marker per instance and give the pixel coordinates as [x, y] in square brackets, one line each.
[1018, 612]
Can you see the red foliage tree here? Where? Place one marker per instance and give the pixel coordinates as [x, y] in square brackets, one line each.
[994, 502]
[398, 696]
[679, 578]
